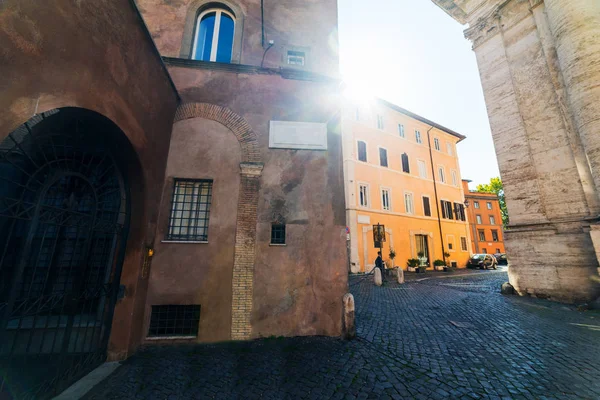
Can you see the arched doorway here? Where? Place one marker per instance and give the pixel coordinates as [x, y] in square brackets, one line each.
[64, 214]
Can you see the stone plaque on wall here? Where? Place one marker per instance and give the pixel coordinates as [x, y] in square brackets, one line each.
[298, 135]
[364, 219]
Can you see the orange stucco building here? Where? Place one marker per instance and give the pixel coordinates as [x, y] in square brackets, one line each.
[485, 221]
[401, 170]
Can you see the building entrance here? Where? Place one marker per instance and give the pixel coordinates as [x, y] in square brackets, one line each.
[63, 226]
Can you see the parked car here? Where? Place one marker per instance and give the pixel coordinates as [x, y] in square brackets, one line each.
[501, 258]
[482, 261]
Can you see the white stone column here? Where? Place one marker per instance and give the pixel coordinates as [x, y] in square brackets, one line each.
[575, 26]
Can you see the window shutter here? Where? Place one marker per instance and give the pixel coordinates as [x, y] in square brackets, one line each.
[444, 214]
[426, 207]
[405, 165]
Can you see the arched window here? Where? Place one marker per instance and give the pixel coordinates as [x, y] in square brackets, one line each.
[213, 40]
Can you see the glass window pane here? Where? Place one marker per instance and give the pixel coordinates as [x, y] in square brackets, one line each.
[204, 37]
[225, 44]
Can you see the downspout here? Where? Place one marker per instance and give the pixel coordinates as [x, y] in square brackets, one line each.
[437, 202]
[262, 22]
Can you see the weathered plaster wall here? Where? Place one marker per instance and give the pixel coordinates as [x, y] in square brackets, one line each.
[95, 55]
[302, 23]
[297, 288]
[537, 72]
[192, 273]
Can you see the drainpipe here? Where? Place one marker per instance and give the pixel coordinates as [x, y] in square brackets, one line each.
[262, 22]
[437, 202]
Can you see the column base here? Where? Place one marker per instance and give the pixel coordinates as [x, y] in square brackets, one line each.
[554, 261]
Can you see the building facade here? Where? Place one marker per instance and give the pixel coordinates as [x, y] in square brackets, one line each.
[538, 61]
[485, 221]
[401, 170]
[179, 181]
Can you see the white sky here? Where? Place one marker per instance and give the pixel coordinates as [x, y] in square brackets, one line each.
[413, 54]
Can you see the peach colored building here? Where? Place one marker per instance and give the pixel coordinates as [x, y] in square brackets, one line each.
[485, 221]
[402, 170]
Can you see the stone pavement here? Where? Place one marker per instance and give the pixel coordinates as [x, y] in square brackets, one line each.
[454, 337]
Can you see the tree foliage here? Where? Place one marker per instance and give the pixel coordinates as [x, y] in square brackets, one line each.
[495, 186]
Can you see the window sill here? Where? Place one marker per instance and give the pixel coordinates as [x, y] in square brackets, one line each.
[184, 241]
[171, 337]
[277, 244]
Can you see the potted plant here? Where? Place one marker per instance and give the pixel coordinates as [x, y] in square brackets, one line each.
[413, 264]
[440, 265]
[392, 256]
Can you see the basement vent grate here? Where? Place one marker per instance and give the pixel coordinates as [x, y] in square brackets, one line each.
[174, 320]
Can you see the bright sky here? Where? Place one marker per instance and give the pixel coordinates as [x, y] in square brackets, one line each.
[411, 53]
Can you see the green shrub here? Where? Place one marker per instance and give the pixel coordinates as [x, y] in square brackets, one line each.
[439, 263]
[413, 262]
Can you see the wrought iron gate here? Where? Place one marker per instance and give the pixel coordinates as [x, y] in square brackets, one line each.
[62, 217]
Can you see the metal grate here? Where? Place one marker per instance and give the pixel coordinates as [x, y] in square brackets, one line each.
[190, 209]
[174, 320]
[278, 234]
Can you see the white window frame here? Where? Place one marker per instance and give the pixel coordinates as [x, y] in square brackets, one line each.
[410, 211]
[436, 143]
[454, 177]
[388, 191]
[366, 150]
[367, 193]
[450, 239]
[478, 220]
[475, 204]
[430, 206]
[489, 205]
[449, 149]
[424, 164]
[380, 124]
[442, 175]
[466, 248]
[401, 130]
[215, 39]
[418, 137]
[492, 220]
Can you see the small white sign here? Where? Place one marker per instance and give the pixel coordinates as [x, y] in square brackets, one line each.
[364, 219]
[298, 135]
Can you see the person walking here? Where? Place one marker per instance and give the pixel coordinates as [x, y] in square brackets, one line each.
[379, 264]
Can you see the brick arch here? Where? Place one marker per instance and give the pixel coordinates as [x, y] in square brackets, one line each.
[234, 122]
[242, 283]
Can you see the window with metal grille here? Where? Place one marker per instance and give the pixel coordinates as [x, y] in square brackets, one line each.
[463, 243]
[426, 207]
[405, 164]
[383, 157]
[174, 320]
[190, 206]
[277, 234]
[362, 151]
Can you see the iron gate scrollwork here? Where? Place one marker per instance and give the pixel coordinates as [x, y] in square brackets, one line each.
[63, 217]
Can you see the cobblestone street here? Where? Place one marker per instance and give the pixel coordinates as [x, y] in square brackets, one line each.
[448, 336]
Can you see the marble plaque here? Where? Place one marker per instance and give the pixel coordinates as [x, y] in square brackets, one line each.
[298, 135]
[364, 219]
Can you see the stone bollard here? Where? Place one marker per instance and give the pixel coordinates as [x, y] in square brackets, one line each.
[400, 273]
[377, 278]
[507, 288]
[348, 326]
